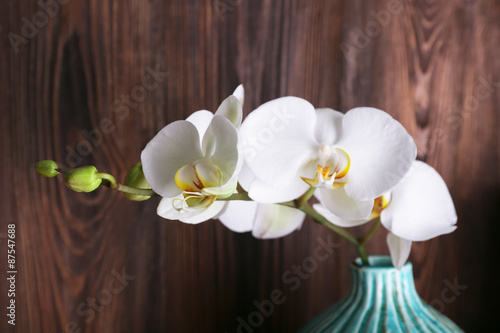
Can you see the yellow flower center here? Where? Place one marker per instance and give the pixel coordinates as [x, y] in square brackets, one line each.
[191, 179]
[338, 162]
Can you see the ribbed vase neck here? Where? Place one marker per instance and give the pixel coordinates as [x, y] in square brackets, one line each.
[380, 276]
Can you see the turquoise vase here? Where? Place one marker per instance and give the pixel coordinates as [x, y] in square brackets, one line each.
[381, 299]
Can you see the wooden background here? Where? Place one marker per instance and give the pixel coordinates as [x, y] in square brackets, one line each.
[435, 66]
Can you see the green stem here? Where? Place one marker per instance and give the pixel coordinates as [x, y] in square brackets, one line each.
[109, 178]
[362, 254]
[133, 190]
[305, 197]
[364, 239]
[63, 171]
[237, 196]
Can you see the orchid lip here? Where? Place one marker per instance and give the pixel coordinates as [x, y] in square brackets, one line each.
[193, 202]
[192, 179]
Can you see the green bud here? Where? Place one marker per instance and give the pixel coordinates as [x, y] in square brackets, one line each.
[83, 179]
[46, 168]
[135, 178]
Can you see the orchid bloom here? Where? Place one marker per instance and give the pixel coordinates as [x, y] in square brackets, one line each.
[192, 162]
[418, 208]
[352, 158]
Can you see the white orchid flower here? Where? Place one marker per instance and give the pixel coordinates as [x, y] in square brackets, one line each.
[353, 158]
[417, 209]
[192, 162]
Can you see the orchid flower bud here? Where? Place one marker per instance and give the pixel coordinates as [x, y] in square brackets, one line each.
[47, 168]
[83, 179]
[135, 178]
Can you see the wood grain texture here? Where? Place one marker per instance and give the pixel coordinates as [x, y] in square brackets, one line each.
[433, 65]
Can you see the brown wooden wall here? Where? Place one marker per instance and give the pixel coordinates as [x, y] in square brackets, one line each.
[64, 82]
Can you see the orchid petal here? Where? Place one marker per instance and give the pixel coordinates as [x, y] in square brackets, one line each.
[223, 191]
[208, 174]
[239, 216]
[201, 119]
[380, 149]
[204, 215]
[187, 180]
[337, 220]
[197, 202]
[282, 131]
[226, 152]
[344, 164]
[274, 221]
[176, 145]
[167, 211]
[227, 156]
[246, 177]
[231, 108]
[263, 193]
[328, 128]
[340, 204]
[399, 248]
[421, 207]
[239, 92]
[208, 142]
